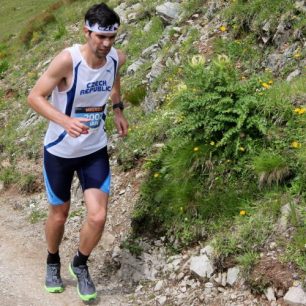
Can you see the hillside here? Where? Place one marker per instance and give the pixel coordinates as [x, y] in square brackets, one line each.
[214, 163]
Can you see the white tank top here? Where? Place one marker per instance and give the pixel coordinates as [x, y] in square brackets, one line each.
[87, 97]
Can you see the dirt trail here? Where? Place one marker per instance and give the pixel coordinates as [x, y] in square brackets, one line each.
[22, 265]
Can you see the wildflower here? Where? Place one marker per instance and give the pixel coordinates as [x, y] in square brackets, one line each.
[196, 149]
[223, 28]
[186, 219]
[265, 85]
[212, 143]
[270, 82]
[181, 208]
[228, 160]
[295, 145]
[242, 213]
[129, 130]
[197, 60]
[302, 111]
[297, 110]
[297, 55]
[156, 175]
[242, 149]
[237, 41]
[296, 283]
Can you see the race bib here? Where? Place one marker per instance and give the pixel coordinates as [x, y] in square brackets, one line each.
[94, 113]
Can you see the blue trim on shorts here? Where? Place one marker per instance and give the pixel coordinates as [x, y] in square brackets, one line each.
[52, 198]
[106, 184]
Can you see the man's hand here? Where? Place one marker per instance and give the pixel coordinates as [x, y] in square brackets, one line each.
[121, 123]
[75, 126]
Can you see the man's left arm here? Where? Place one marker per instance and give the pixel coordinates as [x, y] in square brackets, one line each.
[120, 120]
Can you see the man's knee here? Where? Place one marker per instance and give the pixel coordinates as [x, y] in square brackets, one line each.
[59, 215]
[97, 220]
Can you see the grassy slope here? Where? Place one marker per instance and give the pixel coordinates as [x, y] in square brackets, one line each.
[15, 14]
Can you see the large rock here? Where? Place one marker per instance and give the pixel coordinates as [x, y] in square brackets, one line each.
[169, 11]
[295, 297]
[202, 266]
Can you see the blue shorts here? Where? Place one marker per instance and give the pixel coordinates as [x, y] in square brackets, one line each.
[93, 172]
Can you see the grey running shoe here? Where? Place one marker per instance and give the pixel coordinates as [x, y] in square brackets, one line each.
[53, 283]
[86, 288]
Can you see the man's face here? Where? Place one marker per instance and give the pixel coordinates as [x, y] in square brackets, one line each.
[100, 44]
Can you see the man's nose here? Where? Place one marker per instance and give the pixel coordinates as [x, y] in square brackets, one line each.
[107, 42]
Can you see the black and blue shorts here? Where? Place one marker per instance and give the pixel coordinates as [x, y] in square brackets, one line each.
[93, 172]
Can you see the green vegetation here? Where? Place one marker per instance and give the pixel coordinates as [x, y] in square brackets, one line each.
[37, 215]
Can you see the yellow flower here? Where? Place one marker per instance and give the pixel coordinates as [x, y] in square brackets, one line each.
[297, 110]
[242, 149]
[223, 28]
[265, 85]
[302, 111]
[270, 82]
[295, 145]
[197, 60]
[297, 55]
[156, 175]
[212, 143]
[242, 213]
[196, 149]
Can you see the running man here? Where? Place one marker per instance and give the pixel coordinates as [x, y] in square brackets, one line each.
[81, 79]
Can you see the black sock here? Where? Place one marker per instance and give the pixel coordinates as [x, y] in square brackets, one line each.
[53, 258]
[80, 259]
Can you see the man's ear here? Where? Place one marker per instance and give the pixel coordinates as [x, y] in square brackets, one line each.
[86, 32]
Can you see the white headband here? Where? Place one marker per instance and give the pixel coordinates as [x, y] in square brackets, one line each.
[111, 29]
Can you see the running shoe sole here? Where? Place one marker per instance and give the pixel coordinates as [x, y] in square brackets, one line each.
[54, 289]
[86, 298]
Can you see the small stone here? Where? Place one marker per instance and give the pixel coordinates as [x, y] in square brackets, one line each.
[223, 279]
[293, 75]
[208, 285]
[159, 285]
[280, 293]
[161, 300]
[232, 275]
[201, 266]
[180, 276]
[208, 250]
[273, 245]
[269, 293]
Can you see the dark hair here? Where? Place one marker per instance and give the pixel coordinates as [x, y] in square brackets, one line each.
[102, 15]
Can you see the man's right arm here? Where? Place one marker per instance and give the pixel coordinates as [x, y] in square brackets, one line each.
[57, 71]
